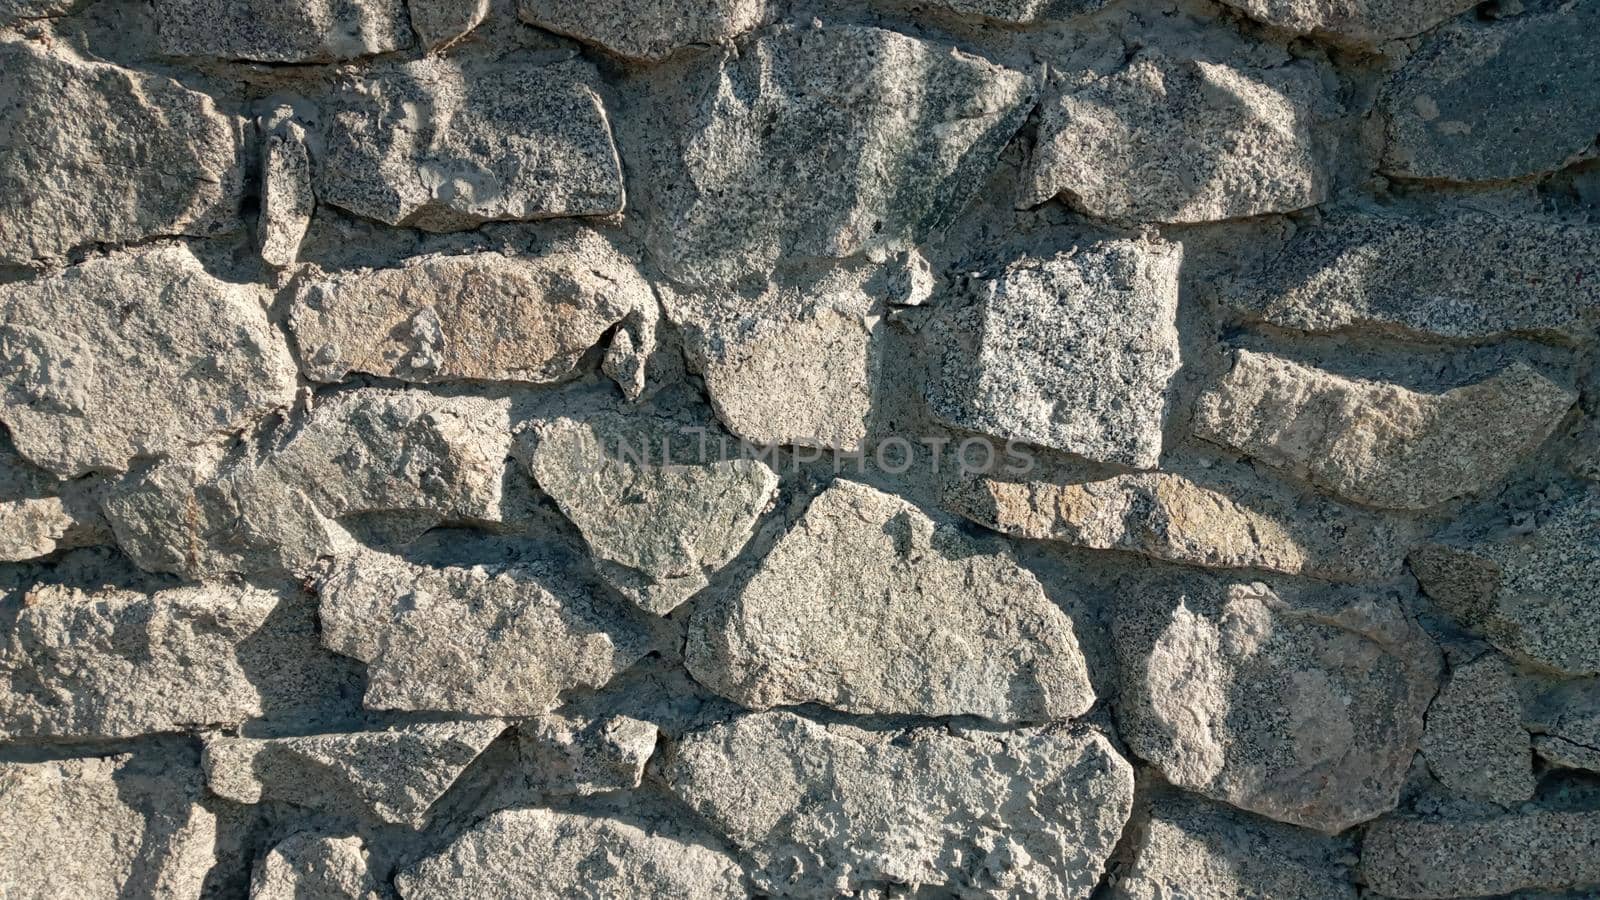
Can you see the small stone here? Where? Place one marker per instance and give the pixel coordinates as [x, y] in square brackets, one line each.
[440, 23]
[869, 605]
[1430, 858]
[102, 829]
[134, 356]
[393, 776]
[646, 30]
[118, 664]
[287, 200]
[1493, 102]
[481, 316]
[1566, 720]
[1013, 12]
[481, 143]
[657, 526]
[40, 515]
[1458, 275]
[822, 809]
[568, 756]
[545, 854]
[1183, 141]
[275, 31]
[160, 159]
[1364, 24]
[1475, 743]
[308, 867]
[494, 641]
[1305, 707]
[1075, 352]
[1377, 443]
[1193, 849]
[1530, 595]
[824, 143]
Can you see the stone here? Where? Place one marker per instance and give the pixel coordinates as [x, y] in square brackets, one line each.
[565, 756]
[287, 199]
[102, 829]
[440, 23]
[656, 526]
[544, 854]
[1076, 352]
[1183, 141]
[161, 159]
[646, 30]
[1194, 849]
[1529, 594]
[40, 515]
[306, 866]
[1378, 443]
[1013, 12]
[1305, 706]
[1432, 858]
[508, 141]
[1495, 102]
[869, 605]
[1566, 722]
[133, 357]
[299, 31]
[1475, 743]
[118, 664]
[821, 142]
[822, 809]
[1224, 524]
[502, 640]
[1455, 275]
[1367, 23]
[22, 12]
[393, 776]
[479, 316]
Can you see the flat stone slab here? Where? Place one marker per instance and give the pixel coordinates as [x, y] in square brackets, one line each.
[282, 31]
[1442, 858]
[646, 30]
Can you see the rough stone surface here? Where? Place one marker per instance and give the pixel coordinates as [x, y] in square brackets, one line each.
[287, 199]
[507, 141]
[646, 30]
[1074, 352]
[100, 829]
[1430, 858]
[568, 756]
[298, 31]
[1377, 443]
[657, 526]
[1015, 12]
[543, 854]
[831, 808]
[1531, 595]
[160, 160]
[1363, 23]
[505, 640]
[1566, 720]
[869, 605]
[1180, 140]
[1475, 743]
[441, 23]
[1492, 102]
[393, 775]
[309, 867]
[1306, 707]
[40, 515]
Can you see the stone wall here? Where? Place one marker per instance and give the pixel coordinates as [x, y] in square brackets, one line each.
[864, 448]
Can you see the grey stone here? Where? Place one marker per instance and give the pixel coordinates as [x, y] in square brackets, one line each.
[287, 199]
[1362, 23]
[1014, 12]
[135, 356]
[440, 23]
[101, 829]
[393, 776]
[1457, 275]
[570, 756]
[40, 514]
[309, 867]
[482, 143]
[297, 31]
[160, 159]
[1075, 352]
[497, 641]
[1493, 102]
[1193, 849]
[1433, 858]
[1378, 443]
[823, 809]
[646, 30]
[20, 12]
[822, 142]
[117, 664]
[658, 527]
[480, 316]
[1530, 595]
[1306, 707]
[1475, 743]
[1183, 140]
[1566, 722]
[544, 855]
[870, 605]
